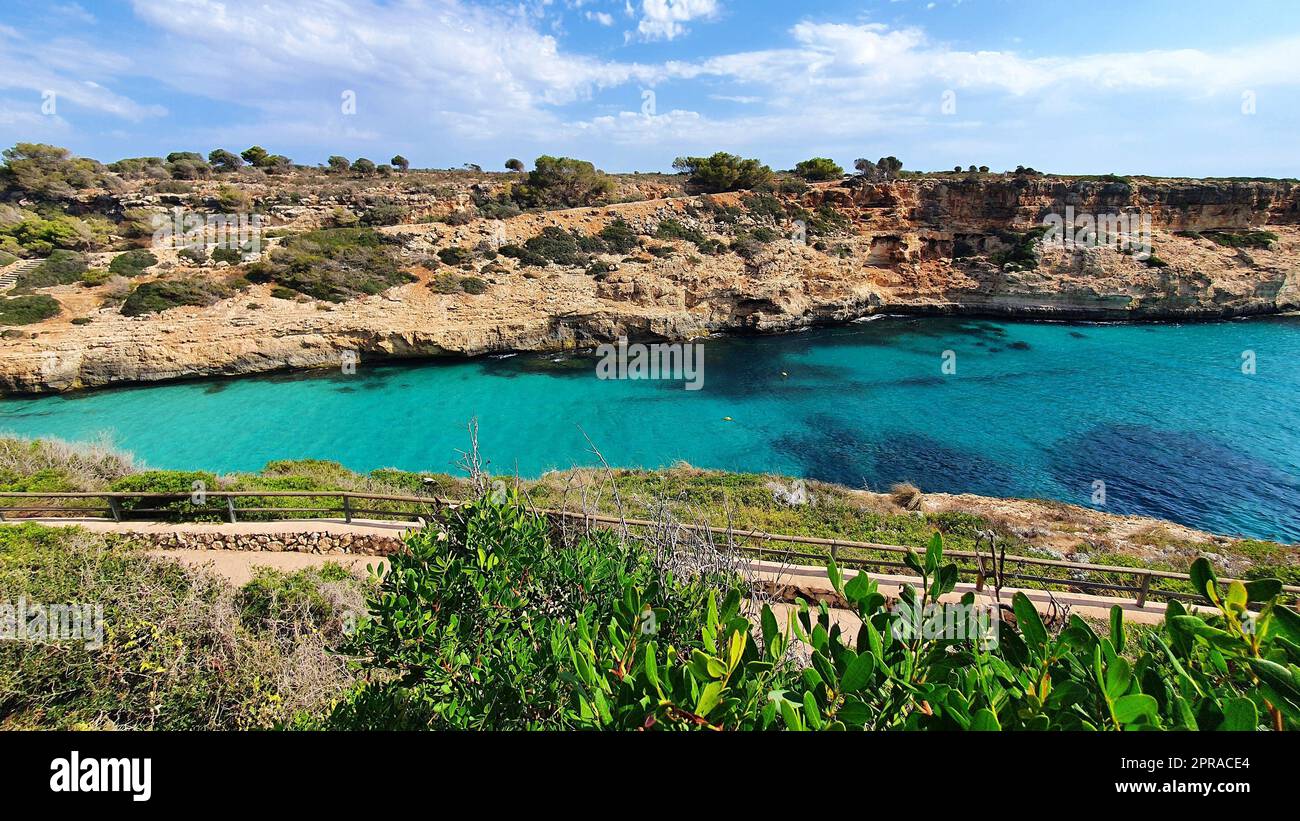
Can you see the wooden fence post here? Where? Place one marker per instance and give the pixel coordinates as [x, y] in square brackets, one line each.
[116, 507]
[230, 508]
[347, 508]
[1146, 588]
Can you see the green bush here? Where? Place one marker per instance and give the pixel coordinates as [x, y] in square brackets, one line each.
[37, 236]
[563, 182]
[273, 599]
[554, 244]
[95, 277]
[334, 264]
[194, 255]
[178, 652]
[1022, 251]
[473, 285]
[470, 627]
[1242, 239]
[456, 256]
[24, 310]
[485, 623]
[445, 282]
[132, 263]
[674, 229]
[188, 482]
[230, 255]
[385, 213]
[281, 292]
[61, 268]
[619, 236]
[49, 172]
[152, 297]
[765, 205]
[819, 169]
[724, 172]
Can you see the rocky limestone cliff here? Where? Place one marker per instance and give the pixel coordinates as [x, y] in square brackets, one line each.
[920, 246]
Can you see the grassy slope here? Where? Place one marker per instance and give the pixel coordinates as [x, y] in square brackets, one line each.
[744, 501]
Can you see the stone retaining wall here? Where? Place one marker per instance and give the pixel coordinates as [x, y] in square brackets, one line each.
[357, 543]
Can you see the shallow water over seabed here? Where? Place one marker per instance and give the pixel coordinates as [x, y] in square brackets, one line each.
[1161, 413]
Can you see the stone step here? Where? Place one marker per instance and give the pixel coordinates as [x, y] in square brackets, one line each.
[9, 276]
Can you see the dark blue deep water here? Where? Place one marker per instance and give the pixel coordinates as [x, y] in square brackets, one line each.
[1163, 414]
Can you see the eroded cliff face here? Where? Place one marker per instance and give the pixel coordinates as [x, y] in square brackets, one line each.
[929, 245]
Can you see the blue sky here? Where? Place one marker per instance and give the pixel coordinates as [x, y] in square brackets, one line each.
[1195, 88]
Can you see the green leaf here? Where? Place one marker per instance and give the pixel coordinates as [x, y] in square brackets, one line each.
[1262, 590]
[859, 672]
[1237, 596]
[737, 649]
[944, 582]
[1286, 623]
[1239, 714]
[1203, 579]
[911, 560]
[934, 553]
[984, 721]
[857, 587]
[1027, 619]
[1118, 676]
[1117, 628]
[1131, 708]
[770, 629]
[651, 665]
[791, 716]
[833, 573]
[811, 712]
[709, 698]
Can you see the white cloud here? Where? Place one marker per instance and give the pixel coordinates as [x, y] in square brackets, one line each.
[666, 19]
[73, 71]
[444, 73]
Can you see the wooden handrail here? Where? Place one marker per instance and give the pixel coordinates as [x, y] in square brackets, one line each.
[1142, 576]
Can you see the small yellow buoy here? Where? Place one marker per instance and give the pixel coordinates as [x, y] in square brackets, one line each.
[726, 419]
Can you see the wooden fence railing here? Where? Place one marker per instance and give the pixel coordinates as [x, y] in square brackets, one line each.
[1141, 583]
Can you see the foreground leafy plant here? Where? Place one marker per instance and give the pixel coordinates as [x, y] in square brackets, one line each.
[486, 622]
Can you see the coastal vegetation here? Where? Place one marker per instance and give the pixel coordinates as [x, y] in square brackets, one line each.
[724, 172]
[490, 618]
[333, 264]
[159, 295]
[181, 649]
[24, 310]
[744, 501]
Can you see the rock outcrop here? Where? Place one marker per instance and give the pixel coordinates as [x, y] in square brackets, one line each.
[925, 246]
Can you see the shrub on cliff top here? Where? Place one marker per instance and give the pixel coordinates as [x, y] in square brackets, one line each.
[334, 264]
[51, 173]
[723, 172]
[563, 182]
[819, 169]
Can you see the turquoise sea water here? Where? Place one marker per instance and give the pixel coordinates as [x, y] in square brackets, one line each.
[1163, 414]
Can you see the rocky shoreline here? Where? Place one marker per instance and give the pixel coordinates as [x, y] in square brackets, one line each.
[919, 247]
